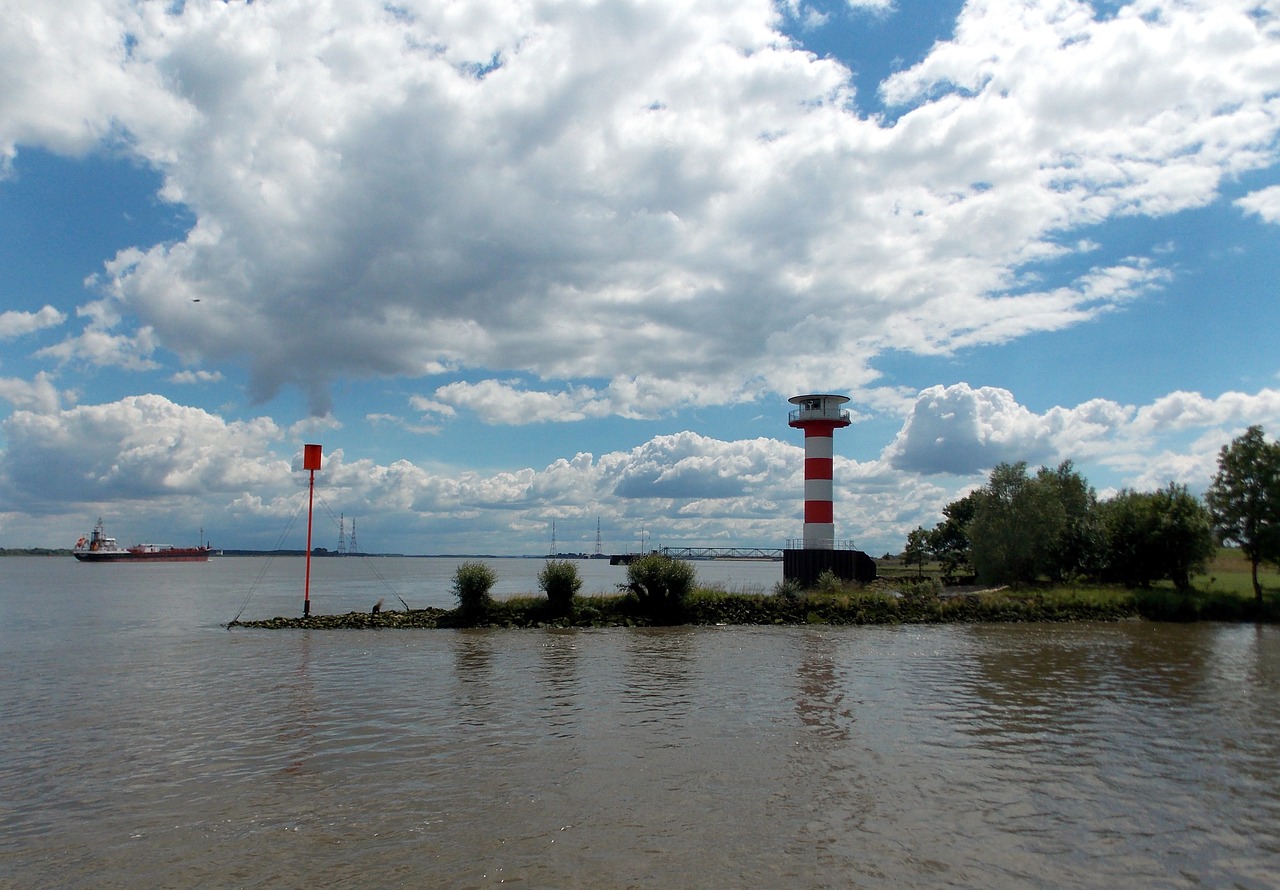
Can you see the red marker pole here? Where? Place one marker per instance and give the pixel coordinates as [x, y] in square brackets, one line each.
[310, 461]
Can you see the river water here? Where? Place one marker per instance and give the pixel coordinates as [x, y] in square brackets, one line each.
[146, 745]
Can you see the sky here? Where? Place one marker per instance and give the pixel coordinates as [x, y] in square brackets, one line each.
[542, 270]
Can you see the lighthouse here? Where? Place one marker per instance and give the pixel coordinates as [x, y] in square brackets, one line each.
[820, 415]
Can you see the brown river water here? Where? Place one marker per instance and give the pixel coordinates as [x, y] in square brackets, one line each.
[144, 745]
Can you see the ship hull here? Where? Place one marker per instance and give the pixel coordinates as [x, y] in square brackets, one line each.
[175, 555]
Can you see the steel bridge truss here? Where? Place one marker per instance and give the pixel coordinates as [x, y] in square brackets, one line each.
[773, 553]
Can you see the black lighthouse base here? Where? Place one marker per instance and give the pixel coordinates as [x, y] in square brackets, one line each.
[804, 566]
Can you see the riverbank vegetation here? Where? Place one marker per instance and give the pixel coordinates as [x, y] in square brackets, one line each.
[906, 594]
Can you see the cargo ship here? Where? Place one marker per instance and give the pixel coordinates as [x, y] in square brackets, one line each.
[98, 547]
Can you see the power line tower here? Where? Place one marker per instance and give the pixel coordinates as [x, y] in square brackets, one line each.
[599, 549]
[342, 535]
[354, 547]
[553, 538]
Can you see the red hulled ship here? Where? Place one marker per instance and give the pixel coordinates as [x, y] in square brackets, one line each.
[98, 547]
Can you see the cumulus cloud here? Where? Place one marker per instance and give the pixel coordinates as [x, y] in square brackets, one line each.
[1189, 411]
[672, 201]
[430, 406]
[1264, 202]
[690, 466]
[196, 377]
[502, 403]
[960, 430]
[39, 396]
[965, 431]
[513, 404]
[65, 75]
[105, 349]
[102, 345]
[142, 447]
[397, 421]
[15, 323]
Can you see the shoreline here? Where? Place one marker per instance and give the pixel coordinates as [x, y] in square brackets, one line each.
[714, 608]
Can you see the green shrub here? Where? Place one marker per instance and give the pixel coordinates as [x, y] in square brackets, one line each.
[662, 584]
[471, 584]
[827, 582]
[559, 580]
[789, 589]
[921, 590]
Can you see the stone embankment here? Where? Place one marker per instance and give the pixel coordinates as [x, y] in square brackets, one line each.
[712, 608]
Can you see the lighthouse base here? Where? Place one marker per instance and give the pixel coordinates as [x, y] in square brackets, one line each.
[804, 566]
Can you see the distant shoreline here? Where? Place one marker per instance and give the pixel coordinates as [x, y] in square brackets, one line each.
[316, 554]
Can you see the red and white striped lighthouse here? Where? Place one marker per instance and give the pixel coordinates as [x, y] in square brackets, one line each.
[819, 415]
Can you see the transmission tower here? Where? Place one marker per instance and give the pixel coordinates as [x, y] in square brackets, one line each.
[599, 549]
[354, 547]
[342, 535]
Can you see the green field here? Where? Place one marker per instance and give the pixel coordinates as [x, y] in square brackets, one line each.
[1229, 572]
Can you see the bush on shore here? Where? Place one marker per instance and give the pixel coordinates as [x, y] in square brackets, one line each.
[472, 582]
[560, 581]
[661, 584]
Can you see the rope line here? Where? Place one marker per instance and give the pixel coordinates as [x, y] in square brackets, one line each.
[253, 588]
[280, 545]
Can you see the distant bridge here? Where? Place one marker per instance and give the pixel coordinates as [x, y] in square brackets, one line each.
[769, 553]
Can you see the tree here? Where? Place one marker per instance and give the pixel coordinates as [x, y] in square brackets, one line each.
[918, 549]
[1026, 527]
[1012, 528]
[1244, 498]
[949, 539]
[1076, 547]
[1149, 536]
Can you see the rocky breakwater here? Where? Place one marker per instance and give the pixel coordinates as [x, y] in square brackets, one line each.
[712, 607]
[411, 618]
